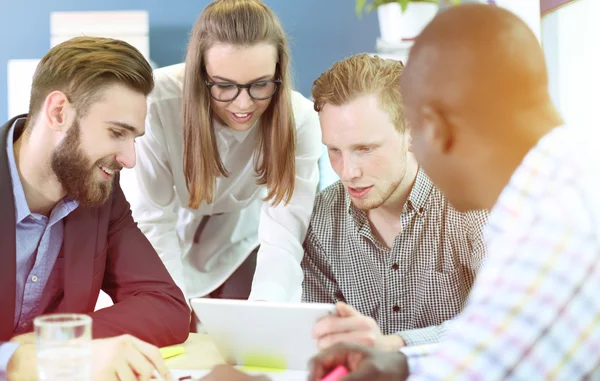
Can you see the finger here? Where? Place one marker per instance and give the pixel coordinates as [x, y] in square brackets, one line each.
[346, 310]
[153, 355]
[124, 372]
[140, 364]
[339, 354]
[365, 338]
[333, 325]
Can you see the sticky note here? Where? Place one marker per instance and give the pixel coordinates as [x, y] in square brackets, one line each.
[168, 352]
[256, 362]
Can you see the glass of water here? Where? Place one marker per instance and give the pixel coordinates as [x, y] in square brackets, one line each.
[64, 347]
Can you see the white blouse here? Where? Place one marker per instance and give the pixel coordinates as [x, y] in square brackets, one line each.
[240, 219]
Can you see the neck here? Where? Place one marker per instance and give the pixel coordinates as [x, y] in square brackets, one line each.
[509, 150]
[32, 155]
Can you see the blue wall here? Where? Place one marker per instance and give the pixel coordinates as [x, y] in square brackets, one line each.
[321, 31]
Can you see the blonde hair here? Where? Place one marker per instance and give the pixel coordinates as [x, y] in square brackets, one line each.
[242, 23]
[81, 67]
[359, 75]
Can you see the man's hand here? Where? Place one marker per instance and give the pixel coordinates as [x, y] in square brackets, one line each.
[26, 338]
[362, 363]
[350, 326]
[22, 365]
[126, 358]
[229, 373]
[123, 358]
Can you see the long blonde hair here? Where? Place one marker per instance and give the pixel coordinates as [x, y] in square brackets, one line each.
[242, 23]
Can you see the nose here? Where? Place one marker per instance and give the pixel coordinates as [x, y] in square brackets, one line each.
[243, 102]
[350, 169]
[126, 157]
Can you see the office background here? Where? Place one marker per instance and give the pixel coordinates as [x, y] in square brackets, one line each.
[316, 38]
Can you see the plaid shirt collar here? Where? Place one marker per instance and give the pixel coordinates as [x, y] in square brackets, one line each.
[417, 201]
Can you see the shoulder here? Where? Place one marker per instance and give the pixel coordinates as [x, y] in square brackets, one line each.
[168, 83]
[303, 109]
[329, 208]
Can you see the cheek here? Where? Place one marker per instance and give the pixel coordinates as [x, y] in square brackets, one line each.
[261, 107]
[218, 107]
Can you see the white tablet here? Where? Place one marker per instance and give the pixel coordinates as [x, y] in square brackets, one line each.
[262, 334]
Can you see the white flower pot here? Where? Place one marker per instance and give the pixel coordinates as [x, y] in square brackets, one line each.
[396, 26]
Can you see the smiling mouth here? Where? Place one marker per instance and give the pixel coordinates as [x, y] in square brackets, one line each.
[241, 117]
[107, 172]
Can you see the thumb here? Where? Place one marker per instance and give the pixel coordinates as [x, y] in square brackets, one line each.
[346, 310]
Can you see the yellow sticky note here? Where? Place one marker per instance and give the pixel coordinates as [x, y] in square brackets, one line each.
[259, 362]
[260, 369]
[168, 352]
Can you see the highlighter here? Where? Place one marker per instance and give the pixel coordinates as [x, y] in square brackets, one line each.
[336, 374]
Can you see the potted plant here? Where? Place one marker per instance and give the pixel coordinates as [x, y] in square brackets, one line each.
[401, 20]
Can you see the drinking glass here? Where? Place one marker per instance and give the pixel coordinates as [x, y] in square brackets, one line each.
[64, 347]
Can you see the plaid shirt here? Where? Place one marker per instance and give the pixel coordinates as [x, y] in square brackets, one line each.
[410, 289]
[534, 312]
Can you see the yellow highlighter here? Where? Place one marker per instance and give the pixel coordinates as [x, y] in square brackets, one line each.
[168, 352]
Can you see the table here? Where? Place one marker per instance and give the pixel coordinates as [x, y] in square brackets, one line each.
[200, 353]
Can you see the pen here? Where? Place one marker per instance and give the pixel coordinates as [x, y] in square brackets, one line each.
[336, 374]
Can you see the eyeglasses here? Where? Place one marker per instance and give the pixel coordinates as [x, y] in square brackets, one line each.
[226, 91]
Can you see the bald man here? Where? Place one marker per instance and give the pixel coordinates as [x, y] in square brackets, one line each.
[486, 132]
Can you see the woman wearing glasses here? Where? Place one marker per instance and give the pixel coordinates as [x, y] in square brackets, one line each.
[227, 172]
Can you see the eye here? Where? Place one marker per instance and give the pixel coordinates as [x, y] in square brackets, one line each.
[260, 84]
[366, 149]
[117, 134]
[224, 86]
[333, 150]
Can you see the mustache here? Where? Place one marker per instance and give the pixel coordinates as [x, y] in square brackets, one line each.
[110, 164]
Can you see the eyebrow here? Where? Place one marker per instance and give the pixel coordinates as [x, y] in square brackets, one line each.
[126, 126]
[268, 76]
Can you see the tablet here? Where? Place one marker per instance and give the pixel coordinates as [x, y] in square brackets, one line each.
[262, 334]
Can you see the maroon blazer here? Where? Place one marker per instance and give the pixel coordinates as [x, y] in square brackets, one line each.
[102, 249]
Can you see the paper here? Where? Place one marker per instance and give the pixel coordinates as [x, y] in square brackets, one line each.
[287, 375]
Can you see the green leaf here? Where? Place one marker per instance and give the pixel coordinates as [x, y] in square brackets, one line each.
[360, 4]
[403, 4]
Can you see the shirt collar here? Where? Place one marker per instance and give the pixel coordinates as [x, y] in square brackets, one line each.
[417, 199]
[21, 206]
[229, 133]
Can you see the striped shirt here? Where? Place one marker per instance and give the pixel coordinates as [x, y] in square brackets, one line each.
[411, 288]
[534, 310]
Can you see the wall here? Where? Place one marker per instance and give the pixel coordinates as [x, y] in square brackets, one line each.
[570, 38]
[317, 41]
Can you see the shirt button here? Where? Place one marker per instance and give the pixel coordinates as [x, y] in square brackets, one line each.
[25, 325]
[395, 266]
[34, 279]
[396, 308]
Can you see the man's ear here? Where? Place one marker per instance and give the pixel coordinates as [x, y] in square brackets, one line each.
[57, 111]
[438, 133]
[408, 139]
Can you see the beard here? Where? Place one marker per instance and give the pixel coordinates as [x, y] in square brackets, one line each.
[76, 173]
[378, 196]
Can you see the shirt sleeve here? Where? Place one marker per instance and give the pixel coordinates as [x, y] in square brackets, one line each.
[319, 285]
[426, 335]
[149, 188]
[533, 311]
[282, 228]
[6, 352]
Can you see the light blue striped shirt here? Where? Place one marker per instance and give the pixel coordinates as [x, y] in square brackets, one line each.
[39, 240]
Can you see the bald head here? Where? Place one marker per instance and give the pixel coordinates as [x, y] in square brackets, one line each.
[476, 97]
[477, 55]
